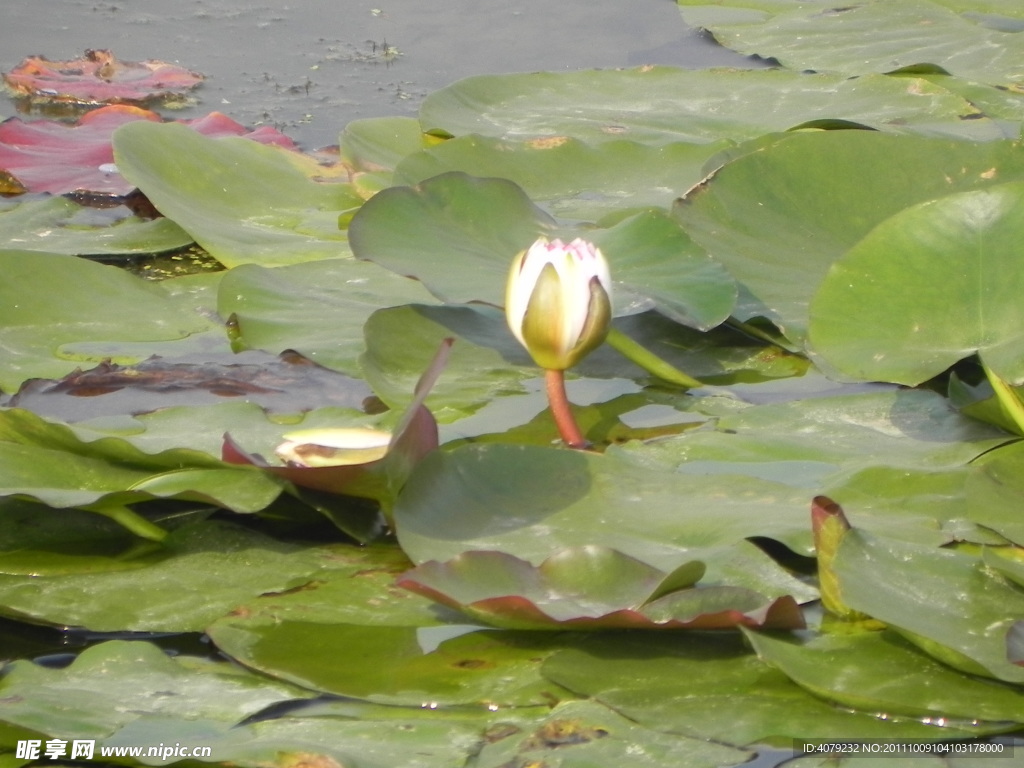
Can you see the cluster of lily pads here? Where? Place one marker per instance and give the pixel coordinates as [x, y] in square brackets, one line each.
[830, 249]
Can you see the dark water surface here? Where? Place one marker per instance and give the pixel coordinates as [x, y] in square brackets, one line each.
[311, 66]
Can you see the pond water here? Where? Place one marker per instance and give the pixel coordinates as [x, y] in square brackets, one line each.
[310, 66]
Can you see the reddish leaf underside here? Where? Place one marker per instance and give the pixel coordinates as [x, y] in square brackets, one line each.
[337, 480]
[523, 596]
[516, 610]
[50, 156]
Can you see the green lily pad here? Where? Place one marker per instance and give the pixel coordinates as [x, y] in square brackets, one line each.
[475, 498]
[569, 178]
[38, 541]
[350, 585]
[59, 225]
[655, 265]
[458, 234]
[242, 201]
[995, 489]
[712, 687]
[928, 507]
[486, 361]
[115, 683]
[48, 462]
[826, 435]
[393, 664]
[372, 736]
[205, 570]
[114, 311]
[404, 738]
[880, 672]
[379, 143]
[946, 599]
[1007, 562]
[1000, 103]
[953, 292]
[455, 233]
[778, 217]
[660, 105]
[893, 458]
[588, 588]
[579, 734]
[871, 36]
[317, 308]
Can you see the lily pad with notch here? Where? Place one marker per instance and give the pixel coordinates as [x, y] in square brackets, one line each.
[458, 234]
[592, 587]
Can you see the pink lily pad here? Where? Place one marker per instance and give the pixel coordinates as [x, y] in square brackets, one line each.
[415, 436]
[99, 77]
[592, 587]
[50, 156]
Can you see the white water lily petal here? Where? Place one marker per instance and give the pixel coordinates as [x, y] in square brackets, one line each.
[333, 447]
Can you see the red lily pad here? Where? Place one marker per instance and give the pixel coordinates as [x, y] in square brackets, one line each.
[99, 77]
[415, 436]
[592, 587]
[54, 157]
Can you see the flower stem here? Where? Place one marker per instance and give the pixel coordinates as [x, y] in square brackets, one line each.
[131, 520]
[561, 411]
[649, 361]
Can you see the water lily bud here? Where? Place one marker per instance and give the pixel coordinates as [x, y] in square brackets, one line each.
[558, 301]
[333, 447]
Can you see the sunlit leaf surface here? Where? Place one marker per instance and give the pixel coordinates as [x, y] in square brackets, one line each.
[951, 294]
[101, 305]
[242, 201]
[659, 105]
[970, 39]
[663, 683]
[780, 214]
